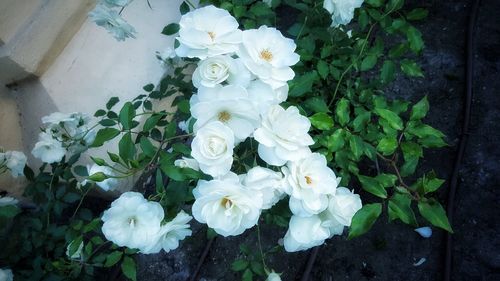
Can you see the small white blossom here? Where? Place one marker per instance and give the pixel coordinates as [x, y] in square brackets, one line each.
[216, 70]
[207, 32]
[7, 201]
[273, 276]
[267, 182]
[226, 206]
[212, 147]
[112, 22]
[6, 275]
[283, 135]
[342, 11]
[15, 161]
[268, 55]
[304, 233]
[110, 183]
[170, 234]
[185, 162]
[343, 205]
[132, 221]
[48, 149]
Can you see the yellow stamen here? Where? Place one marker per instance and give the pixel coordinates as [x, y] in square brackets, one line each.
[211, 34]
[226, 203]
[308, 179]
[224, 116]
[266, 55]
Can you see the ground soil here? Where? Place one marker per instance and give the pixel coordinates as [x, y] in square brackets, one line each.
[389, 251]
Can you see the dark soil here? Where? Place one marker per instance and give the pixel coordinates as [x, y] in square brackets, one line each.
[389, 251]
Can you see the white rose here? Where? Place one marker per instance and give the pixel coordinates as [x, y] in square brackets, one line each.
[229, 105]
[215, 70]
[170, 234]
[283, 135]
[212, 147]
[273, 276]
[309, 181]
[185, 162]
[108, 184]
[132, 221]
[15, 161]
[7, 201]
[267, 182]
[342, 11]
[343, 205]
[226, 206]
[263, 96]
[207, 32]
[304, 233]
[6, 275]
[48, 149]
[268, 55]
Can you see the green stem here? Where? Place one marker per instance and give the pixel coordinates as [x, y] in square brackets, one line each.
[260, 249]
[81, 201]
[190, 4]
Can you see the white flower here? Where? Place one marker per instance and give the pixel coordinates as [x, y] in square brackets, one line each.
[170, 234]
[183, 126]
[6, 275]
[343, 205]
[15, 161]
[229, 105]
[270, 4]
[109, 183]
[207, 32]
[225, 205]
[168, 53]
[215, 70]
[185, 162]
[283, 135]
[7, 201]
[309, 182]
[342, 11]
[268, 55]
[304, 233]
[267, 182]
[112, 22]
[48, 149]
[212, 147]
[77, 254]
[263, 96]
[273, 276]
[116, 3]
[132, 221]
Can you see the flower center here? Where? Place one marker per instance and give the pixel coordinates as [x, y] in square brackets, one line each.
[212, 35]
[266, 55]
[224, 116]
[226, 203]
[308, 179]
[132, 221]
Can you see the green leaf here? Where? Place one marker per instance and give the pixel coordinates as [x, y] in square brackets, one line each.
[343, 111]
[321, 121]
[433, 212]
[417, 14]
[336, 140]
[359, 123]
[104, 135]
[368, 62]
[323, 69]
[387, 72]
[415, 39]
[399, 207]
[373, 186]
[247, 275]
[151, 122]
[112, 102]
[126, 147]
[424, 130]
[184, 8]
[411, 68]
[9, 211]
[147, 147]
[171, 29]
[113, 258]
[129, 269]
[149, 87]
[364, 219]
[160, 187]
[432, 185]
[392, 118]
[127, 114]
[81, 171]
[239, 265]
[302, 84]
[387, 145]
[316, 104]
[420, 109]
[71, 197]
[386, 180]
[100, 113]
[357, 146]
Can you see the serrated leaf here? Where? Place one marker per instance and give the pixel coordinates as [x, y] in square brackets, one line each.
[433, 212]
[239, 265]
[373, 186]
[147, 147]
[420, 109]
[104, 135]
[387, 72]
[126, 147]
[335, 141]
[417, 14]
[342, 111]
[112, 102]
[171, 29]
[364, 219]
[127, 114]
[387, 145]
[321, 121]
[368, 62]
[411, 68]
[399, 207]
[113, 258]
[356, 145]
[129, 268]
[316, 104]
[415, 40]
[323, 69]
[302, 84]
[392, 118]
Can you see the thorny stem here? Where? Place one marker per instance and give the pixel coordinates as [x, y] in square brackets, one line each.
[393, 164]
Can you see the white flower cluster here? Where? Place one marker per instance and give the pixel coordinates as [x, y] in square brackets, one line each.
[64, 133]
[242, 79]
[134, 222]
[14, 161]
[342, 11]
